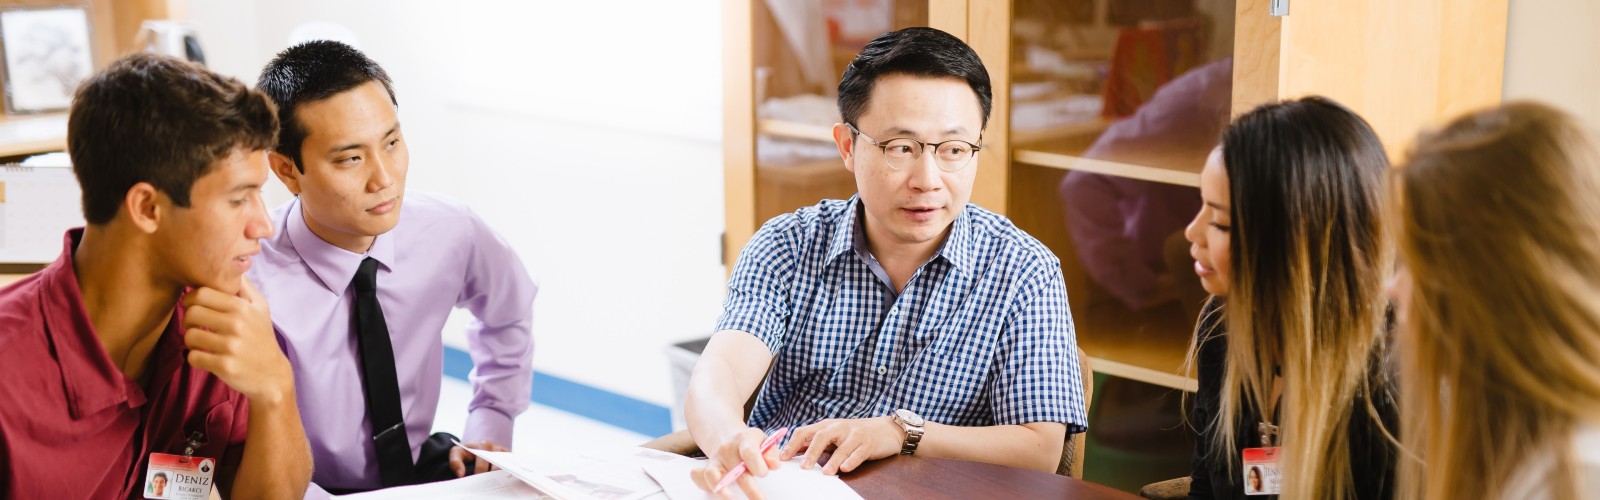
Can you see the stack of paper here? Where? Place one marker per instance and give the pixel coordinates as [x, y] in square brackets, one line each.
[785, 482]
[631, 474]
[489, 486]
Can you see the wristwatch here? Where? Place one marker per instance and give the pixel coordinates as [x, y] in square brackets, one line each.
[912, 424]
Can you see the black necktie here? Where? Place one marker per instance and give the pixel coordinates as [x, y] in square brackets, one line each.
[383, 390]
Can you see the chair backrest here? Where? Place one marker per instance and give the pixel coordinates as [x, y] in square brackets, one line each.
[1072, 450]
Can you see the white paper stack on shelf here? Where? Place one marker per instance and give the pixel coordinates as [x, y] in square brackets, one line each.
[33, 130]
[810, 109]
[805, 109]
[1056, 112]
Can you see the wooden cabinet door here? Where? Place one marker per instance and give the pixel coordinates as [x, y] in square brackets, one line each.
[1103, 113]
[782, 64]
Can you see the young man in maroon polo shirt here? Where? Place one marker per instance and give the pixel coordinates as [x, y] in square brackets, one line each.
[143, 351]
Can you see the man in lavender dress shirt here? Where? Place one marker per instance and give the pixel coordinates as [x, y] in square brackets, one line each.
[342, 153]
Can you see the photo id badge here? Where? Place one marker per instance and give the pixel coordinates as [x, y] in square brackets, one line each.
[1262, 474]
[178, 477]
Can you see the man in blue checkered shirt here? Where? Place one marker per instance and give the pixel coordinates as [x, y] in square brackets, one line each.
[904, 320]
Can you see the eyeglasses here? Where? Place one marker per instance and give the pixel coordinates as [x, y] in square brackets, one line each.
[952, 156]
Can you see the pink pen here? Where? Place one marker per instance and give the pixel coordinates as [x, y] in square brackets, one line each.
[738, 470]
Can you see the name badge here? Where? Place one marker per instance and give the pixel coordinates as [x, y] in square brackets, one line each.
[179, 477]
[1262, 472]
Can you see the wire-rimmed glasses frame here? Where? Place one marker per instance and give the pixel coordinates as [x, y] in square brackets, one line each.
[902, 152]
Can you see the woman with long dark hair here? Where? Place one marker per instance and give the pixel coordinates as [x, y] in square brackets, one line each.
[1290, 243]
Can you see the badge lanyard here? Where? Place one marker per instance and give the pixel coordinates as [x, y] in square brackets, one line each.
[1263, 472]
[181, 477]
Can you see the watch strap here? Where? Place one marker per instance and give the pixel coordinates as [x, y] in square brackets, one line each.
[913, 437]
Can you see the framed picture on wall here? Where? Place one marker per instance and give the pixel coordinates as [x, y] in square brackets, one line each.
[47, 52]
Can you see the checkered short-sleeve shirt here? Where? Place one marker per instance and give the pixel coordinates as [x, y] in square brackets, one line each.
[980, 336]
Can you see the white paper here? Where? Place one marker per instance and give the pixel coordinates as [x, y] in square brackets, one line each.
[623, 469]
[786, 482]
[617, 476]
[510, 463]
[40, 205]
[489, 485]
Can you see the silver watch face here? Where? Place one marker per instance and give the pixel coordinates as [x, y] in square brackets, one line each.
[908, 417]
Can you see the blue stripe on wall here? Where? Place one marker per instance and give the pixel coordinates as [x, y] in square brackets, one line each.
[580, 399]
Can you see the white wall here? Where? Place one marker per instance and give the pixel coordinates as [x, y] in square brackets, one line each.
[587, 133]
[1553, 55]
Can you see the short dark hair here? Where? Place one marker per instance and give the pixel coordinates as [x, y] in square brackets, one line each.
[310, 72]
[157, 119]
[920, 52]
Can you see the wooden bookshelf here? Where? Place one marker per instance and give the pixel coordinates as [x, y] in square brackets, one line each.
[783, 187]
[1182, 175]
[1307, 52]
[1058, 134]
[792, 130]
[1148, 346]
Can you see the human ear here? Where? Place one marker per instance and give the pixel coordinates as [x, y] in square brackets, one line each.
[287, 172]
[845, 139]
[144, 205]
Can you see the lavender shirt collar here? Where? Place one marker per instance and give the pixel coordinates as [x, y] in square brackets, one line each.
[335, 267]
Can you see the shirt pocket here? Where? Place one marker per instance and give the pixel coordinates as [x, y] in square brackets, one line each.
[218, 425]
[966, 344]
[951, 380]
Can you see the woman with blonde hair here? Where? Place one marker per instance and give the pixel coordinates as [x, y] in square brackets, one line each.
[1499, 218]
[1289, 242]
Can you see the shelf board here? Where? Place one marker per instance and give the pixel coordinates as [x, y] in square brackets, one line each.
[802, 169]
[786, 187]
[1166, 175]
[1149, 346]
[1023, 138]
[29, 135]
[793, 130]
[1112, 367]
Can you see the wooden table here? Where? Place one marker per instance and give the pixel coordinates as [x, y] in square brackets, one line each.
[917, 477]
